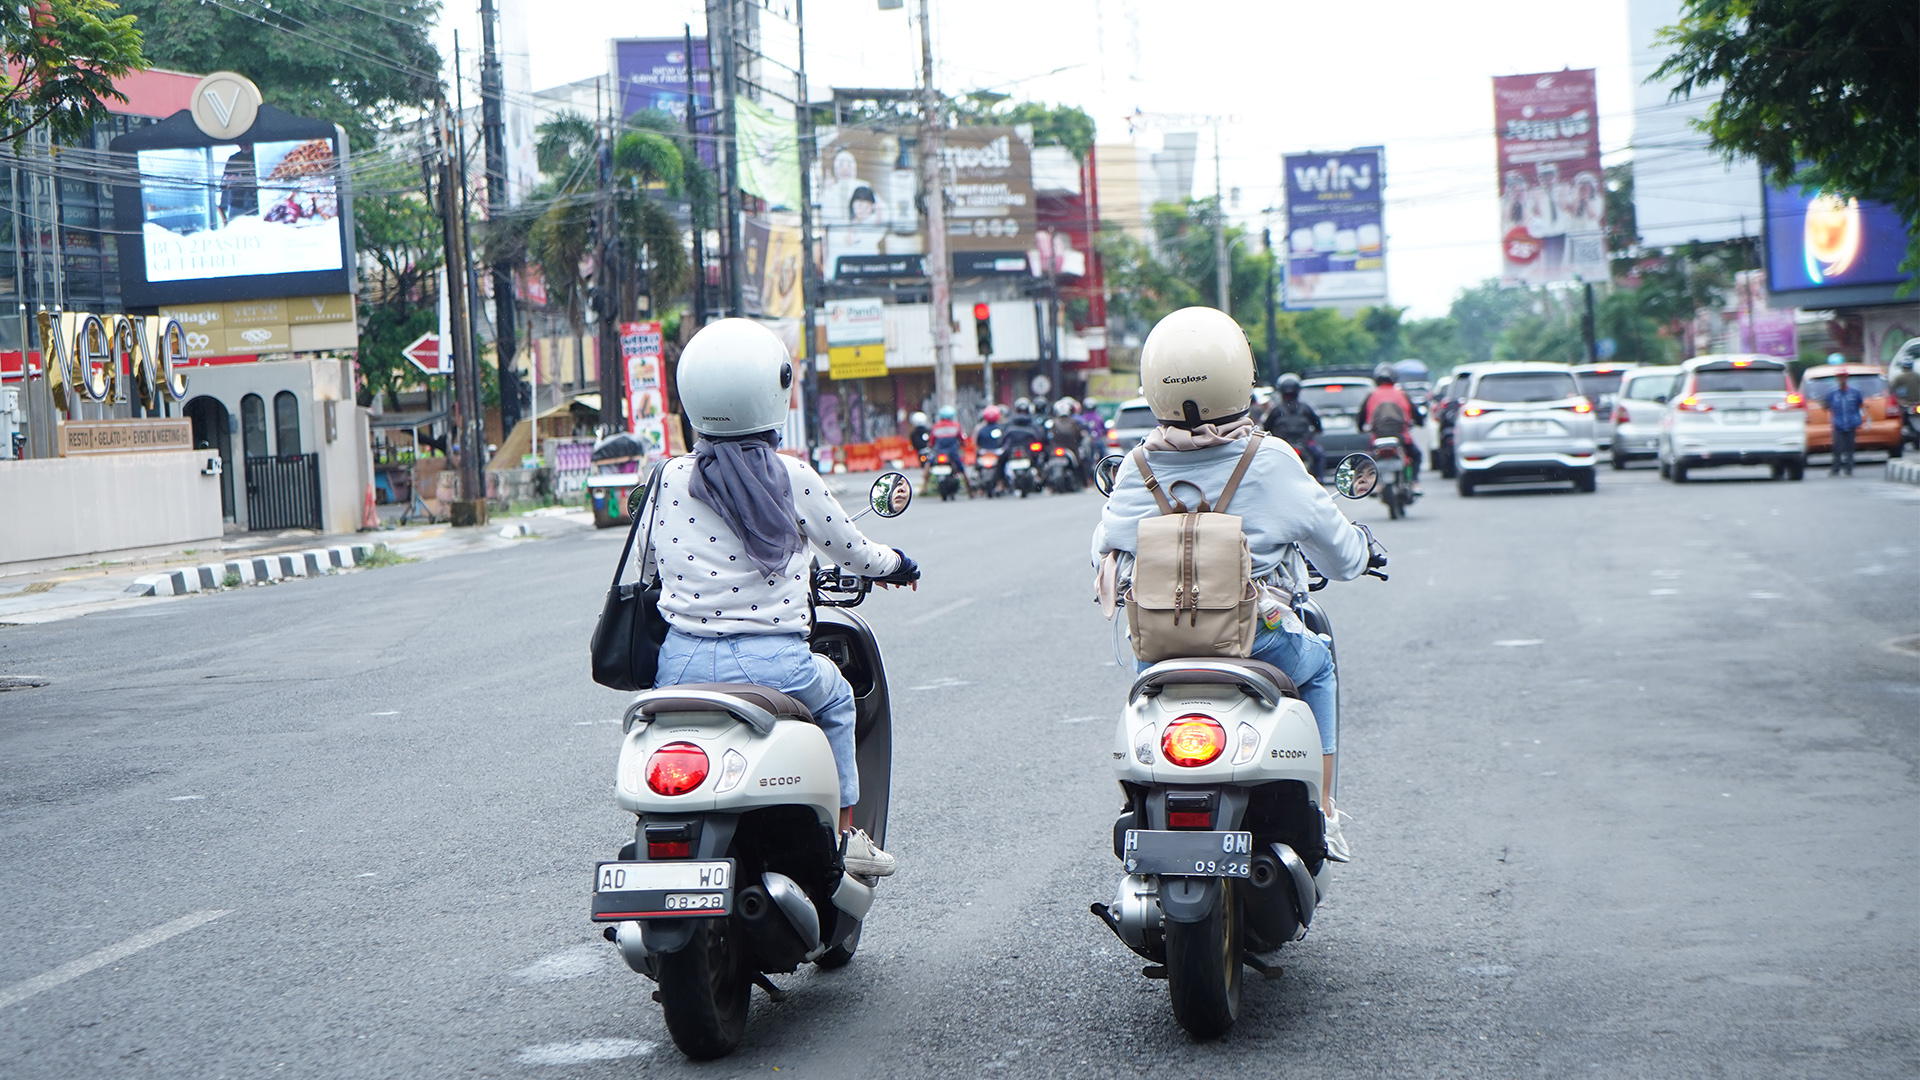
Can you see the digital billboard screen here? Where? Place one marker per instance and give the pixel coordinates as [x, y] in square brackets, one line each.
[266, 214]
[1823, 250]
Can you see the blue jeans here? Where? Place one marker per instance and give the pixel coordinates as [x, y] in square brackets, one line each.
[780, 661]
[1309, 663]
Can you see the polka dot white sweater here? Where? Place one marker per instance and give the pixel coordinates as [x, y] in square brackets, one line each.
[708, 586]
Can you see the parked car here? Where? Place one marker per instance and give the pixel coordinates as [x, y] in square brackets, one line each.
[1733, 410]
[1524, 423]
[1881, 427]
[1634, 420]
[1600, 382]
[1338, 402]
[1130, 424]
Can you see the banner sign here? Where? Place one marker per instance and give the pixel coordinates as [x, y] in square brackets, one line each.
[856, 338]
[653, 75]
[1336, 244]
[773, 270]
[1824, 250]
[640, 347]
[866, 191]
[989, 174]
[122, 436]
[1553, 196]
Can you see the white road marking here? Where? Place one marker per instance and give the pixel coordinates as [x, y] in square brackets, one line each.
[574, 1053]
[73, 969]
[573, 962]
[185, 798]
[1519, 643]
[945, 609]
[940, 684]
[1759, 595]
[390, 712]
[1079, 719]
[1663, 592]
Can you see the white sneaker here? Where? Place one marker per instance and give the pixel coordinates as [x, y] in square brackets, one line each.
[1337, 849]
[864, 857]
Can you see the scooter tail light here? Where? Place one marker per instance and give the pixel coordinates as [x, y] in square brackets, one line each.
[1193, 740]
[1035, 447]
[1189, 819]
[1247, 745]
[670, 849]
[676, 768]
[733, 766]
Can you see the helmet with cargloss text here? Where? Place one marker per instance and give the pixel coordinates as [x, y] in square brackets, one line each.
[1196, 368]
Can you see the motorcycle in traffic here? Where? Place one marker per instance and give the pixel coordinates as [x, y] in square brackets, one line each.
[1396, 490]
[1024, 463]
[944, 470]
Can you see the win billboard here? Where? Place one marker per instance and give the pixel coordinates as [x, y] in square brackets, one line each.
[1336, 245]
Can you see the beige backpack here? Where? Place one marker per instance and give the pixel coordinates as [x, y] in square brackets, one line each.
[1192, 593]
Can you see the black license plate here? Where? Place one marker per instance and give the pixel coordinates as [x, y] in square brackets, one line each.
[1188, 854]
[662, 890]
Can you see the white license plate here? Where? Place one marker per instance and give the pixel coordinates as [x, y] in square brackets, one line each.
[661, 890]
[1524, 427]
[1741, 416]
[1338, 422]
[943, 470]
[1019, 463]
[1188, 854]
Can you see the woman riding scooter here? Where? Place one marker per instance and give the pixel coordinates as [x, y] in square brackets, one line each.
[1197, 371]
[731, 540]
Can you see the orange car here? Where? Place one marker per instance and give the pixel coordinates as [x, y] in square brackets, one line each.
[1881, 413]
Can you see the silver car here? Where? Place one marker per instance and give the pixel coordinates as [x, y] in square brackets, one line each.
[1733, 410]
[1130, 424]
[1523, 423]
[1637, 408]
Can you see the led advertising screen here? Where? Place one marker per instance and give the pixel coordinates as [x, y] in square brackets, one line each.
[1553, 193]
[1336, 244]
[263, 215]
[1823, 250]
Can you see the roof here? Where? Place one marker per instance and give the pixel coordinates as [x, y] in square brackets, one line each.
[155, 92]
[1737, 359]
[1830, 370]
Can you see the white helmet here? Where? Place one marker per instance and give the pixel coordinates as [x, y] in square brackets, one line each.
[1064, 407]
[735, 378]
[1196, 367]
[918, 419]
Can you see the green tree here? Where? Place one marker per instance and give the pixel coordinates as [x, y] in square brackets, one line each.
[61, 57]
[1823, 93]
[1437, 341]
[400, 230]
[361, 65]
[1053, 125]
[1482, 313]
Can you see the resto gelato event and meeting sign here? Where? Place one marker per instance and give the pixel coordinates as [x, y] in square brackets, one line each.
[1336, 244]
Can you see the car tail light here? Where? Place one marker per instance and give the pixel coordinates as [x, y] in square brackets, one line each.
[1694, 404]
[1580, 406]
[1794, 401]
[1193, 741]
[1741, 363]
[1473, 410]
[676, 768]
[1620, 415]
[1113, 439]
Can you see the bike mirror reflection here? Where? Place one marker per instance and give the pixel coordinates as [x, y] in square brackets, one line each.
[1356, 477]
[891, 494]
[1107, 472]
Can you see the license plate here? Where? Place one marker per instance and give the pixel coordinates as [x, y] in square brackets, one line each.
[1189, 854]
[943, 470]
[1337, 422]
[1741, 416]
[1019, 463]
[1524, 427]
[662, 890]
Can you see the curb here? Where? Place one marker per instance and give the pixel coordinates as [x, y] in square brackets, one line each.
[1903, 471]
[212, 577]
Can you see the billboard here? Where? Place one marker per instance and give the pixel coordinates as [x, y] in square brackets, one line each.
[640, 347]
[263, 215]
[1823, 250]
[1336, 244]
[772, 269]
[990, 209]
[652, 73]
[1553, 195]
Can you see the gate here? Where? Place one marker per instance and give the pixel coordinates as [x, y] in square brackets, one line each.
[283, 492]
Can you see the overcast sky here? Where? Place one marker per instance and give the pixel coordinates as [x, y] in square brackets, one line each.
[1413, 75]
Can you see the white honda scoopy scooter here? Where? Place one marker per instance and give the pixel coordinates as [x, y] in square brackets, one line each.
[1223, 841]
[735, 869]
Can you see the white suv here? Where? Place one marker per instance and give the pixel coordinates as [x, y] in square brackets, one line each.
[1733, 410]
[1526, 423]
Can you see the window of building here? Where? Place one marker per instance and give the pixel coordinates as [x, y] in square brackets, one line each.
[286, 422]
[253, 426]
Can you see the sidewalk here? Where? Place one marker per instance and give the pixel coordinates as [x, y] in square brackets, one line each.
[249, 559]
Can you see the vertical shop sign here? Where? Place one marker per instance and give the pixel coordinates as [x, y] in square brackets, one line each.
[640, 346]
[1553, 195]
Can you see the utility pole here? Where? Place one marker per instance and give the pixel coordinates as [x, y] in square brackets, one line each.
[1219, 229]
[469, 274]
[506, 338]
[469, 440]
[939, 271]
[729, 145]
[693, 211]
[606, 279]
[1586, 326]
[809, 280]
[1273, 327]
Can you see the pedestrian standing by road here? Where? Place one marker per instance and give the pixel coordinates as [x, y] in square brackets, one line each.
[1847, 408]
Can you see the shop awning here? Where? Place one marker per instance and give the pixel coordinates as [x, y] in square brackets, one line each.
[409, 419]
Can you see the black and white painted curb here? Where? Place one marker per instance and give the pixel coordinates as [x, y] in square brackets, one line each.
[211, 577]
[1901, 471]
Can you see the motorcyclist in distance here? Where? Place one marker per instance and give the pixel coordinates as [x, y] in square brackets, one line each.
[733, 538]
[991, 437]
[945, 438]
[921, 433]
[1295, 421]
[1384, 390]
[1197, 373]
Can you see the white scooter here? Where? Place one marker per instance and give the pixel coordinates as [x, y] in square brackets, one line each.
[1223, 839]
[735, 869]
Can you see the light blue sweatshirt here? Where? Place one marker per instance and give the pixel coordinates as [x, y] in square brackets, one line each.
[1278, 503]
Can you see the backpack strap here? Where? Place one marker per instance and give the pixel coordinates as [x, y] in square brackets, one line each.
[1152, 481]
[1240, 470]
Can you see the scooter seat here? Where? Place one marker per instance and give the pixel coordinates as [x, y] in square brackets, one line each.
[1211, 671]
[774, 701]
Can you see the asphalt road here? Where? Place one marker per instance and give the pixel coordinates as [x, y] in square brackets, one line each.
[1633, 774]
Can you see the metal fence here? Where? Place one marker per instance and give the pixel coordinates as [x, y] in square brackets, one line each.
[283, 492]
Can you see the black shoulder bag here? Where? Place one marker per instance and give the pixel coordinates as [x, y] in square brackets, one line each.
[626, 641]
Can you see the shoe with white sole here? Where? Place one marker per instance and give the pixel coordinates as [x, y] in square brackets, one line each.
[863, 857]
[1337, 849]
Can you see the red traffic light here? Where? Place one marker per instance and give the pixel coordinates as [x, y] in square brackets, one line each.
[980, 312]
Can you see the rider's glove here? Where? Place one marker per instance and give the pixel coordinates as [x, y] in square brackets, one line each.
[906, 573]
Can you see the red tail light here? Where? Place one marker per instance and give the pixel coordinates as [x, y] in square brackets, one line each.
[1794, 401]
[1059, 452]
[678, 768]
[1581, 406]
[1473, 410]
[1193, 741]
[941, 460]
[1190, 819]
[1035, 447]
[1620, 415]
[670, 849]
[1694, 404]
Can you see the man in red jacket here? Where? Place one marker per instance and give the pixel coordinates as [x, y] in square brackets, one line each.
[1385, 391]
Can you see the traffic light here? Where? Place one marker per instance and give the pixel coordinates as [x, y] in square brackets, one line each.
[983, 329]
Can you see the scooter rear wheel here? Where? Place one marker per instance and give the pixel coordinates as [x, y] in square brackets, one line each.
[1203, 968]
[839, 955]
[704, 990]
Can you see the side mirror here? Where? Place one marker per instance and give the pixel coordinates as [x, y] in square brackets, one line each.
[1356, 477]
[1105, 473]
[1661, 398]
[636, 499]
[890, 495]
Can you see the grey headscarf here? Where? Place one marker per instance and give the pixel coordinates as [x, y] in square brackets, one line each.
[747, 485]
